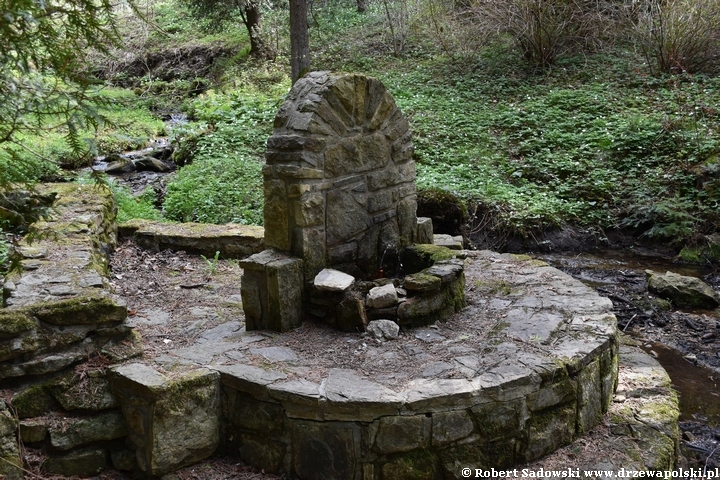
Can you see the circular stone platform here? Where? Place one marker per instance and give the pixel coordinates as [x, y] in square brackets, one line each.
[526, 367]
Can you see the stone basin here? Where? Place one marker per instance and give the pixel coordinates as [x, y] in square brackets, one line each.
[529, 365]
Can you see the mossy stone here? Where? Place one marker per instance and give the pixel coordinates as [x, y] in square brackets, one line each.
[82, 311]
[33, 401]
[71, 393]
[422, 282]
[15, 322]
[84, 463]
[416, 465]
[419, 257]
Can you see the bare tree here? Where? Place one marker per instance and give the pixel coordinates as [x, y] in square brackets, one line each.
[250, 14]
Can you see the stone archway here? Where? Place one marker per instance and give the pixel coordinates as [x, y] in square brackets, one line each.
[340, 177]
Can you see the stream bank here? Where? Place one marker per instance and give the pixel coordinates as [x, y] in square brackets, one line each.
[686, 343]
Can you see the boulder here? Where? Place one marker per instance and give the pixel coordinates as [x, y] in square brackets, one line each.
[683, 291]
[150, 164]
[383, 329]
[117, 165]
[331, 280]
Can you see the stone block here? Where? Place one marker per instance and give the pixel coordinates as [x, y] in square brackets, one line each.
[104, 426]
[434, 306]
[387, 177]
[262, 452]
[330, 280]
[382, 297]
[15, 322]
[590, 397]
[295, 142]
[350, 314]
[33, 401]
[32, 431]
[383, 329]
[445, 270]
[448, 427]
[448, 241]
[345, 217]
[553, 394]
[123, 460]
[253, 291]
[407, 219]
[497, 420]
[171, 422]
[350, 396]
[309, 244]
[310, 210]
[549, 430]
[285, 284]
[272, 291]
[422, 282]
[10, 460]
[245, 412]
[249, 379]
[326, 450]
[402, 433]
[343, 253]
[84, 463]
[232, 240]
[83, 311]
[276, 216]
[417, 465]
[71, 393]
[368, 258]
[382, 200]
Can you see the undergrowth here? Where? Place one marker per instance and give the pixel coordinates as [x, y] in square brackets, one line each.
[592, 141]
[224, 181]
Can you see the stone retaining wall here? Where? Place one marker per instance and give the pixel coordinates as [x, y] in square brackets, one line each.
[351, 427]
[58, 313]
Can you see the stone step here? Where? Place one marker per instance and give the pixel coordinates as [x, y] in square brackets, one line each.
[231, 240]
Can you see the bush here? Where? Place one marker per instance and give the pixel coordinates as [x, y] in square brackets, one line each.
[217, 190]
[542, 29]
[677, 36]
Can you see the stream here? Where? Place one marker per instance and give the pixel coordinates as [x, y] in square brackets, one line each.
[674, 338]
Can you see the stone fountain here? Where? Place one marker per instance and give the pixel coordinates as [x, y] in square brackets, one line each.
[340, 206]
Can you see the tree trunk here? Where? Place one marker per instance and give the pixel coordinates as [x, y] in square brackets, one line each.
[361, 5]
[251, 17]
[299, 39]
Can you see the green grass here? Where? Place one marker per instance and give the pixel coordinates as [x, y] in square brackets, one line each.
[224, 181]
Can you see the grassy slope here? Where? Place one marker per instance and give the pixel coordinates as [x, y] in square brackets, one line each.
[594, 142]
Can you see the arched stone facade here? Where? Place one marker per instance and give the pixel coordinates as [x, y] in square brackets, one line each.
[340, 177]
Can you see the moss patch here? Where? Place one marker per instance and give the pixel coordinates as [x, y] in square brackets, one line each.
[15, 322]
[33, 401]
[82, 311]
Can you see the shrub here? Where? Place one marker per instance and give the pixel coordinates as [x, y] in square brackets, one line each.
[542, 29]
[677, 36]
